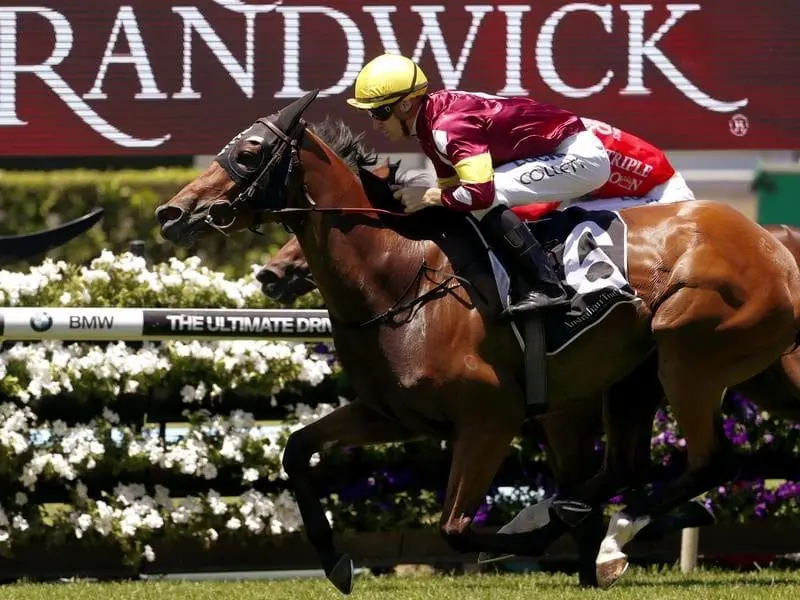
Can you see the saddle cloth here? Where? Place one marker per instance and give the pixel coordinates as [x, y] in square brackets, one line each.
[588, 250]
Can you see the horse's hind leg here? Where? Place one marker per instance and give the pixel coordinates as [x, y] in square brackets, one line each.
[708, 465]
[354, 424]
[694, 371]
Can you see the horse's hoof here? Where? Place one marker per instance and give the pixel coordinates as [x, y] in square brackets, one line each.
[609, 572]
[341, 575]
[488, 557]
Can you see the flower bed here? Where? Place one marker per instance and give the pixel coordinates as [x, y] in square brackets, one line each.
[121, 482]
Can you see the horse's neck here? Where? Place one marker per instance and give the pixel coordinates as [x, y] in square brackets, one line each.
[362, 271]
[361, 266]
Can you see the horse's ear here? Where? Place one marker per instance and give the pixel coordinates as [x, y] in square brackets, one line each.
[290, 115]
[375, 187]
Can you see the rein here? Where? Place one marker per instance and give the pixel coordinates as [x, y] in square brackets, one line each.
[332, 210]
[440, 289]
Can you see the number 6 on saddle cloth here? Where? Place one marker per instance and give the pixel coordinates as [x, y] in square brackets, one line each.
[589, 249]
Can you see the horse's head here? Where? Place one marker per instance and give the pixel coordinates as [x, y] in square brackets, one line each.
[286, 276]
[251, 177]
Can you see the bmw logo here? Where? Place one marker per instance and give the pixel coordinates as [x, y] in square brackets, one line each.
[41, 321]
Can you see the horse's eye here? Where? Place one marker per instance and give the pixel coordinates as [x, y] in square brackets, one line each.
[248, 159]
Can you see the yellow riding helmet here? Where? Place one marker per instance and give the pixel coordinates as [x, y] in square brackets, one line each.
[387, 79]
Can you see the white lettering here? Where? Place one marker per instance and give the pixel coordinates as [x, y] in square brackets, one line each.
[639, 48]
[513, 85]
[242, 75]
[291, 50]
[46, 72]
[241, 324]
[126, 23]
[545, 61]
[431, 34]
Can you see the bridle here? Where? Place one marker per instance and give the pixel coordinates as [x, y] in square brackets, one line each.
[258, 185]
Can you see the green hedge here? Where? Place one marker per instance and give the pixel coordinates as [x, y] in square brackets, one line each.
[31, 201]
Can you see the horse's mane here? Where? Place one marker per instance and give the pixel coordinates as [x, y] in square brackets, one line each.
[352, 150]
[347, 145]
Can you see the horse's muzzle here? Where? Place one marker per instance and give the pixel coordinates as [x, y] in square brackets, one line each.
[176, 224]
[171, 218]
[271, 280]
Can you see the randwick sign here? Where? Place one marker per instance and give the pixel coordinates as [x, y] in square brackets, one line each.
[160, 76]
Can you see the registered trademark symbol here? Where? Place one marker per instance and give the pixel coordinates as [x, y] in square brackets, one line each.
[739, 125]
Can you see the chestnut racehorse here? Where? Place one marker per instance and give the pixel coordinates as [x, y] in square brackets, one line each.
[286, 276]
[720, 303]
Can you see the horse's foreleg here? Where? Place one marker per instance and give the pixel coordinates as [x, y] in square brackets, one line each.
[354, 424]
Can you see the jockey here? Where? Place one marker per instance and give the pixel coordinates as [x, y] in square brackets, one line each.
[490, 153]
[640, 174]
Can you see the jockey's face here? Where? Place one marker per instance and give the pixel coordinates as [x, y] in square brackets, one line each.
[396, 121]
[391, 127]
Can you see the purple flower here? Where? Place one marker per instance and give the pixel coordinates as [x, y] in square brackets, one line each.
[483, 513]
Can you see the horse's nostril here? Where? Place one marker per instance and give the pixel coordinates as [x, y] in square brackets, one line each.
[169, 214]
[267, 276]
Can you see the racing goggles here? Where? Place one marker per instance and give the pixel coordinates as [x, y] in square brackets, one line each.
[382, 113]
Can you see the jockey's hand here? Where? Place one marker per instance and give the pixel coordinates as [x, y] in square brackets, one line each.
[417, 198]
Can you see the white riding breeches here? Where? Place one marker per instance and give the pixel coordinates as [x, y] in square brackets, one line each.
[674, 189]
[577, 166]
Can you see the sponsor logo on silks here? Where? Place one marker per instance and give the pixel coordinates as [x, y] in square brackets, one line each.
[41, 321]
[568, 167]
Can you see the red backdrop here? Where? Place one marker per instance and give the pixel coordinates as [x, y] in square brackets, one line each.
[155, 76]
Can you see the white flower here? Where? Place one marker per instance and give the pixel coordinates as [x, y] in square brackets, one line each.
[153, 520]
[110, 416]
[162, 496]
[4, 535]
[19, 522]
[233, 523]
[81, 523]
[148, 553]
[215, 502]
[254, 523]
[104, 522]
[20, 499]
[249, 475]
[212, 535]
[208, 471]
[286, 516]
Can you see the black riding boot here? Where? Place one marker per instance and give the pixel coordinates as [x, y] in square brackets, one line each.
[542, 289]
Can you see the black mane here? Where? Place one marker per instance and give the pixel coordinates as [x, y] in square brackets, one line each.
[347, 145]
[350, 147]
